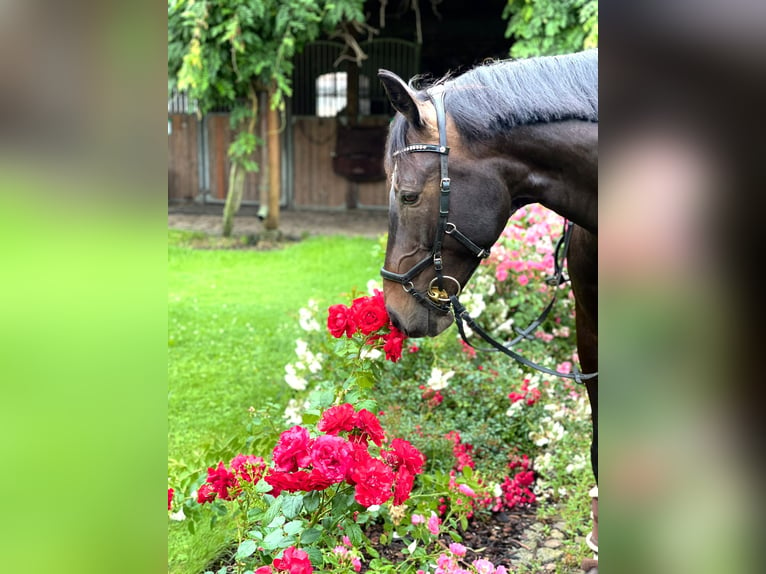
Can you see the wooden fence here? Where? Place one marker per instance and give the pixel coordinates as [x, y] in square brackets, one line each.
[198, 165]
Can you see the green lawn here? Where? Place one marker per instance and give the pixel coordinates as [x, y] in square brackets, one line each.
[232, 325]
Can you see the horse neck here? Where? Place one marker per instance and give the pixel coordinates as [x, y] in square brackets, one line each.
[554, 164]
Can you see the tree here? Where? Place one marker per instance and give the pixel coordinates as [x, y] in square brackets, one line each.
[224, 53]
[546, 27]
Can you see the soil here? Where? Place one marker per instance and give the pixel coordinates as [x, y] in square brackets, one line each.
[514, 540]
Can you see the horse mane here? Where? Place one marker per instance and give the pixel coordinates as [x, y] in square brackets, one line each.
[491, 99]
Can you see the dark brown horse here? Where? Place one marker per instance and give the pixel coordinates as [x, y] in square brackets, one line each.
[466, 153]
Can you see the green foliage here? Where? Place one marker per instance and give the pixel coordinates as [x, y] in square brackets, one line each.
[219, 51]
[547, 27]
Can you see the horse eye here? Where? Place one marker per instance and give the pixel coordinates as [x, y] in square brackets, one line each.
[409, 198]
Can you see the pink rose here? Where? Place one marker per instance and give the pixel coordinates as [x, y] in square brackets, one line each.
[294, 561]
[433, 524]
[457, 549]
[467, 490]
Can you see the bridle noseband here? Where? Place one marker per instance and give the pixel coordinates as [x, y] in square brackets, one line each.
[437, 296]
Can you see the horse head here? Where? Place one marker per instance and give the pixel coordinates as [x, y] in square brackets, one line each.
[445, 211]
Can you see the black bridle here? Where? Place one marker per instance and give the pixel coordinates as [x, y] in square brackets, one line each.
[437, 297]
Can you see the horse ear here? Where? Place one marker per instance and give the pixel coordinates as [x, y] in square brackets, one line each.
[402, 97]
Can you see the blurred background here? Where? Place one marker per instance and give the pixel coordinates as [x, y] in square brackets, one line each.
[83, 211]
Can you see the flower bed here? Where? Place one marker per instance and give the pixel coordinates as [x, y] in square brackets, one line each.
[409, 439]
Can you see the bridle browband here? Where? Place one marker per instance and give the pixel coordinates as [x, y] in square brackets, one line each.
[437, 297]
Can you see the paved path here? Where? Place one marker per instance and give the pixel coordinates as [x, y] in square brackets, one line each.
[293, 223]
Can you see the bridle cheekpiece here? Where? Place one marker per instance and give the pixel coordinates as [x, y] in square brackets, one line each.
[436, 296]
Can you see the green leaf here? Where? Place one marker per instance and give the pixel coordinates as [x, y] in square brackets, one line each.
[369, 404]
[292, 505]
[273, 510]
[263, 486]
[311, 535]
[364, 380]
[311, 501]
[315, 555]
[245, 549]
[273, 539]
[293, 527]
[354, 533]
[277, 522]
[309, 419]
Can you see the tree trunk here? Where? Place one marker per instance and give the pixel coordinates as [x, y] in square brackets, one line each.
[272, 127]
[263, 157]
[233, 197]
[237, 173]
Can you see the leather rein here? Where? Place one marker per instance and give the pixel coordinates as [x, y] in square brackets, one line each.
[437, 296]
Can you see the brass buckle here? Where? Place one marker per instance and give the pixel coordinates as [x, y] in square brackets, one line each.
[440, 295]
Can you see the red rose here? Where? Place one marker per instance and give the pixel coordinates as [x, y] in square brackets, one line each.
[403, 454]
[393, 344]
[221, 479]
[292, 450]
[403, 486]
[294, 561]
[340, 320]
[170, 497]
[373, 482]
[360, 458]
[316, 480]
[369, 424]
[249, 468]
[369, 314]
[205, 493]
[289, 481]
[263, 570]
[337, 419]
[331, 456]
